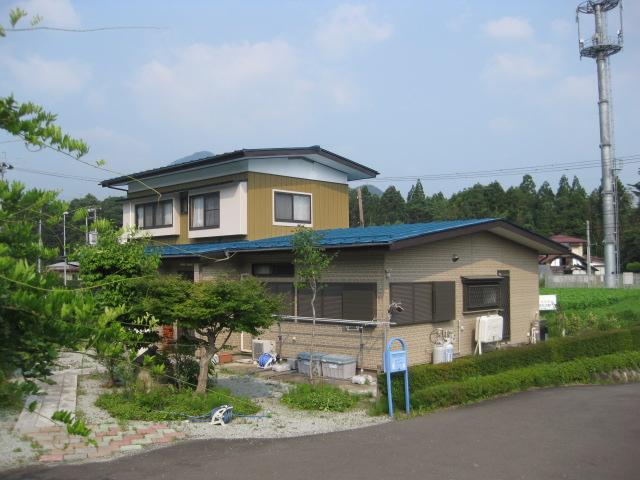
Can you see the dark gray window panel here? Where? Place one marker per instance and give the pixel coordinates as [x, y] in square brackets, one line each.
[286, 293]
[349, 301]
[444, 301]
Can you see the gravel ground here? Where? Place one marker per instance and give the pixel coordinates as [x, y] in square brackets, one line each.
[276, 420]
[14, 451]
[281, 421]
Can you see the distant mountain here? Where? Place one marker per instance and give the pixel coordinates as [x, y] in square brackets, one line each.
[373, 190]
[192, 157]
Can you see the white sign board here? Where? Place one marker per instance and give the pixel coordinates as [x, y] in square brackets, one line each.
[548, 303]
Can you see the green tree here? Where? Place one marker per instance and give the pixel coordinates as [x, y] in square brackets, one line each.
[438, 207]
[545, 210]
[37, 316]
[112, 264]
[521, 203]
[417, 209]
[215, 310]
[392, 207]
[311, 262]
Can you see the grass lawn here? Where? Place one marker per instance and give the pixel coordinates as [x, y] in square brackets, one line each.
[324, 398]
[594, 308]
[166, 403]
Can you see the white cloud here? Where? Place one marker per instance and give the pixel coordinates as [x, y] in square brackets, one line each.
[513, 28]
[39, 75]
[235, 87]
[54, 13]
[513, 66]
[349, 28]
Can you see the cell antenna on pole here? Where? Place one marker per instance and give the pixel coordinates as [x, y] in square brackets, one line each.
[601, 46]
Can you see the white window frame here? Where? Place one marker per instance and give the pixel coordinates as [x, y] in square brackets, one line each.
[290, 224]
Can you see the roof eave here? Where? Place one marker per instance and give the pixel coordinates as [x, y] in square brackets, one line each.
[238, 154]
[548, 246]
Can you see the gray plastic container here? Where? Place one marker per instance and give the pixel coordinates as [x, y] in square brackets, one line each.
[338, 366]
[304, 362]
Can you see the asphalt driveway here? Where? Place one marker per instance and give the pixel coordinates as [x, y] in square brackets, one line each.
[587, 432]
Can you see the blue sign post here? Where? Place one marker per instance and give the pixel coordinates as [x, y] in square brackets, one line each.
[396, 361]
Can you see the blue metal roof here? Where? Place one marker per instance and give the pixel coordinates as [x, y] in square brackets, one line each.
[339, 237]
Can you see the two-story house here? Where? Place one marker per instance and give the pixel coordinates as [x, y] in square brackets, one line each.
[232, 215]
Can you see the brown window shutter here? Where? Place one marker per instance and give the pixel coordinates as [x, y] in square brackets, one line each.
[332, 301]
[422, 302]
[359, 301]
[444, 301]
[403, 293]
[285, 291]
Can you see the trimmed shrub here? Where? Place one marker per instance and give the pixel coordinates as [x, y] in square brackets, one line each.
[633, 267]
[554, 350]
[582, 370]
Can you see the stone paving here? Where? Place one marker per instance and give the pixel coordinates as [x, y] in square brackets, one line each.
[56, 445]
[52, 442]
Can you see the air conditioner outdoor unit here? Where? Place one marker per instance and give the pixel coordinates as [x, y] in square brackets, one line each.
[258, 347]
[489, 328]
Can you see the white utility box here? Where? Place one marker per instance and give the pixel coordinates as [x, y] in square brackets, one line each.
[258, 347]
[489, 328]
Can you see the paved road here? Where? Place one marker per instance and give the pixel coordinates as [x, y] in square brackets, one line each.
[590, 432]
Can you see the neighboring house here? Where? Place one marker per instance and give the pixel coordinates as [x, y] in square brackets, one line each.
[573, 262]
[445, 274]
[244, 195]
[73, 270]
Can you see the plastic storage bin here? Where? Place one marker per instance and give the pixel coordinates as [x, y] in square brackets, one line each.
[304, 362]
[338, 366]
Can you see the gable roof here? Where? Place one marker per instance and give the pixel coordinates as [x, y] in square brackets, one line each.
[392, 237]
[354, 170]
[566, 239]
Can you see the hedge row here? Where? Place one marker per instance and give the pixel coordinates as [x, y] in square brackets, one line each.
[552, 351]
[582, 370]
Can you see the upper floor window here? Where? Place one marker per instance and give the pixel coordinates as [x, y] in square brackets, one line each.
[292, 207]
[155, 214]
[205, 211]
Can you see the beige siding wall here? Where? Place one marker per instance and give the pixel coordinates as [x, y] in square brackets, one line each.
[330, 204]
[479, 254]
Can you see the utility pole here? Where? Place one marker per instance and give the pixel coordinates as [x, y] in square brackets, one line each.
[360, 208]
[64, 246]
[601, 47]
[40, 242]
[4, 166]
[588, 254]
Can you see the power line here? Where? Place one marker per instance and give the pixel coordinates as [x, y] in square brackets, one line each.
[86, 30]
[58, 175]
[552, 167]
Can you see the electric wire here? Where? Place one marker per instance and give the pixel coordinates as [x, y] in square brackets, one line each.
[58, 175]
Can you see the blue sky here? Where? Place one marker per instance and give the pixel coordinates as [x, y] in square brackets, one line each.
[406, 87]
